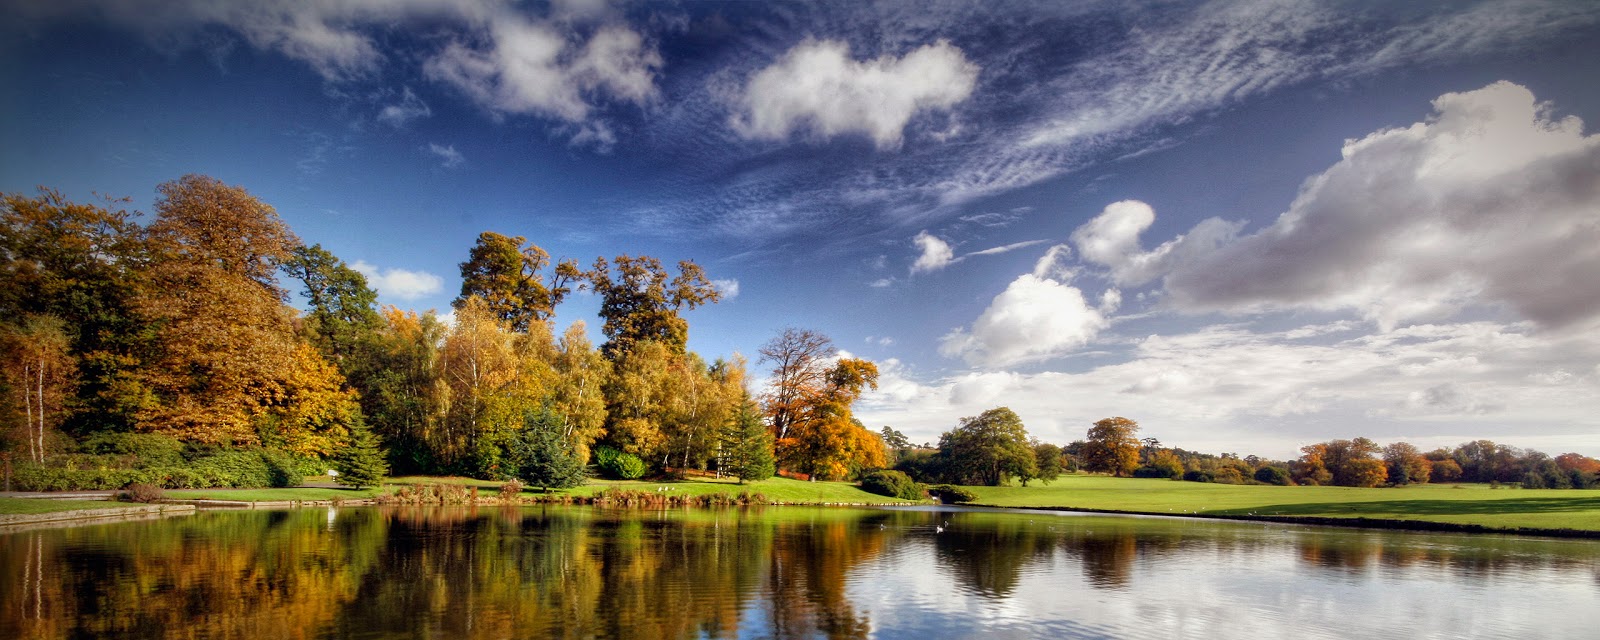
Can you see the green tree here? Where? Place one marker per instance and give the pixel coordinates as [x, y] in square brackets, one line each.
[747, 445]
[1112, 446]
[361, 463]
[987, 449]
[1406, 464]
[542, 456]
[343, 312]
[507, 273]
[1047, 457]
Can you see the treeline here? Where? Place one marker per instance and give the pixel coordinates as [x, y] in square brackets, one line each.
[140, 352]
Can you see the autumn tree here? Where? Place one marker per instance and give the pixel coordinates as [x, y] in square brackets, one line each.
[809, 403]
[85, 265]
[800, 361]
[479, 366]
[579, 393]
[38, 369]
[1112, 446]
[641, 302]
[405, 397]
[1406, 464]
[987, 449]
[221, 323]
[1312, 467]
[508, 274]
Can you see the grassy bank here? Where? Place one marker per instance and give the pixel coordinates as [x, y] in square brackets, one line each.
[1466, 504]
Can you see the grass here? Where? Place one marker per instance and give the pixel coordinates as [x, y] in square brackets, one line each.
[15, 506]
[1463, 504]
[277, 495]
[775, 489]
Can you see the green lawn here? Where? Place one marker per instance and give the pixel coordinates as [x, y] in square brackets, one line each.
[1470, 504]
[276, 495]
[10, 506]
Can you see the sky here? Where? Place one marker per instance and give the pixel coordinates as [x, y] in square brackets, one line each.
[1249, 226]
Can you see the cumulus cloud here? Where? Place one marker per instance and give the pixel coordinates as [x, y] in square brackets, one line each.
[1490, 201]
[936, 253]
[817, 84]
[507, 60]
[409, 108]
[400, 283]
[1236, 388]
[1034, 319]
[530, 67]
[447, 155]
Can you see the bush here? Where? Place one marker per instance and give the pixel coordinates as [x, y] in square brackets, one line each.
[238, 469]
[618, 465]
[511, 491]
[951, 494]
[894, 484]
[1156, 471]
[1273, 475]
[141, 492]
[136, 450]
[1198, 476]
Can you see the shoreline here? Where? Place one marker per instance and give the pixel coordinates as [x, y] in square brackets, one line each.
[1388, 524]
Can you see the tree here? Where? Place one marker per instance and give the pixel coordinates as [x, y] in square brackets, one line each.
[1312, 467]
[507, 276]
[1577, 462]
[1047, 457]
[343, 310]
[641, 304]
[361, 463]
[987, 449]
[1406, 464]
[1112, 446]
[479, 365]
[223, 336]
[542, 456]
[37, 366]
[405, 396]
[895, 444]
[579, 395]
[800, 359]
[747, 445]
[84, 264]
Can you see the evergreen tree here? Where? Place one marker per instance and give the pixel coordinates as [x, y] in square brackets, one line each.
[361, 464]
[542, 455]
[747, 445]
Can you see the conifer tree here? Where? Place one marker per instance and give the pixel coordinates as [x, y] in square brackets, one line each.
[747, 445]
[543, 456]
[361, 464]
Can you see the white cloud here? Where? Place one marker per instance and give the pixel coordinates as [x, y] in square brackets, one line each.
[1034, 319]
[1490, 201]
[533, 67]
[729, 288]
[447, 154]
[994, 251]
[400, 283]
[817, 84]
[1231, 388]
[409, 108]
[936, 253]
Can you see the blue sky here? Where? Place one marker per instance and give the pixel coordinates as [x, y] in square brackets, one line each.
[1247, 225]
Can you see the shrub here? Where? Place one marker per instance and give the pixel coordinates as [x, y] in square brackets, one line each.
[137, 450]
[240, 469]
[141, 492]
[511, 491]
[618, 465]
[1154, 471]
[894, 484]
[1273, 475]
[951, 494]
[1197, 475]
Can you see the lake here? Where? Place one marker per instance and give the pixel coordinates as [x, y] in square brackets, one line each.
[779, 572]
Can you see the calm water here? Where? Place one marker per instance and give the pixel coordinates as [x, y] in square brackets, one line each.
[778, 573]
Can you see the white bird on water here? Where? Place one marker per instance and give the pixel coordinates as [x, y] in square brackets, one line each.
[938, 529]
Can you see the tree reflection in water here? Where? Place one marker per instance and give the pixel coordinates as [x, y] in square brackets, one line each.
[569, 572]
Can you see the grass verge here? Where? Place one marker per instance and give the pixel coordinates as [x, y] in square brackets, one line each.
[17, 506]
[1461, 504]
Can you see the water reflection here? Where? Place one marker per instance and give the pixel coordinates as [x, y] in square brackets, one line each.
[571, 572]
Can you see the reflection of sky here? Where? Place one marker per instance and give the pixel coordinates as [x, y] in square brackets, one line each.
[1233, 580]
